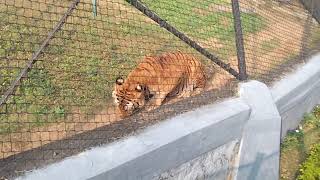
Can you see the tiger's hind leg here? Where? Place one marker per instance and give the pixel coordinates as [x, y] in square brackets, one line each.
[187, 92]
[194, 86]
[156, 101]
[197, 91]
[200, 83]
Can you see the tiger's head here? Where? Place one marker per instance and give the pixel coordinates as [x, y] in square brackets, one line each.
[129, 97]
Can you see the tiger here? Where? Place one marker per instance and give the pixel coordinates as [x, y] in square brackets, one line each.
[157, 78]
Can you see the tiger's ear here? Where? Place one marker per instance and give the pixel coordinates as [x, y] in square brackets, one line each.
[139, 88]
[119, 81]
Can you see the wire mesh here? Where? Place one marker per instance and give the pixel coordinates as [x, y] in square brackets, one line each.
[287, 37]
[64, 104]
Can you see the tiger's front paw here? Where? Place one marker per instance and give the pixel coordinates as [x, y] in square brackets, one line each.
[198, 91]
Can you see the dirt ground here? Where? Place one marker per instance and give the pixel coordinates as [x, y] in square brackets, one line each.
[287, 26]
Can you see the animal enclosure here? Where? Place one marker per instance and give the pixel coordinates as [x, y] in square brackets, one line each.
[60, 59]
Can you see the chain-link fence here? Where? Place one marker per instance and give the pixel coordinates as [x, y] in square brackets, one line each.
[61, 60]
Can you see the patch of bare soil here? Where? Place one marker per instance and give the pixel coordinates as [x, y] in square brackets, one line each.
[285, 35]
[216, 8]
[121, 11]
[211, 42]
[29, 138]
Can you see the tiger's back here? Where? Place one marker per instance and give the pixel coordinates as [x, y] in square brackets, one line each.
[157, 78]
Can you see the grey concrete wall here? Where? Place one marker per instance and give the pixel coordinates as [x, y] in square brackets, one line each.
[204, 144]
[215, 164]
[297, 94]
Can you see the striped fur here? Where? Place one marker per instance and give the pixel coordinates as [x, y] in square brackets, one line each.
[156, 79]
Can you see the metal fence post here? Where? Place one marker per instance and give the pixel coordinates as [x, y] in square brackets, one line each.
[239, 40]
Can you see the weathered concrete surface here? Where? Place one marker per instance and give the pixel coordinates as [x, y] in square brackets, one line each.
[297, 94]
[159, 148]
[260, 145]
[216, 164]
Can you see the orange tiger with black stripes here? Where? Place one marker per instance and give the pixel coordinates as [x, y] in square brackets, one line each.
[157, 78]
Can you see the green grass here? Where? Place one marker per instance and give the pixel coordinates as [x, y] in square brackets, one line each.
[203, 26]
[270, 45]
[298, 144]
[310, 169]
[78, 68]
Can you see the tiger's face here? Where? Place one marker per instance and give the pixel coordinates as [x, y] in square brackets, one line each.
[129, 97]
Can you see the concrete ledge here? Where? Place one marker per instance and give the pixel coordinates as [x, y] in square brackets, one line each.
[297, 94]
[260, 145]
[157, 149]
